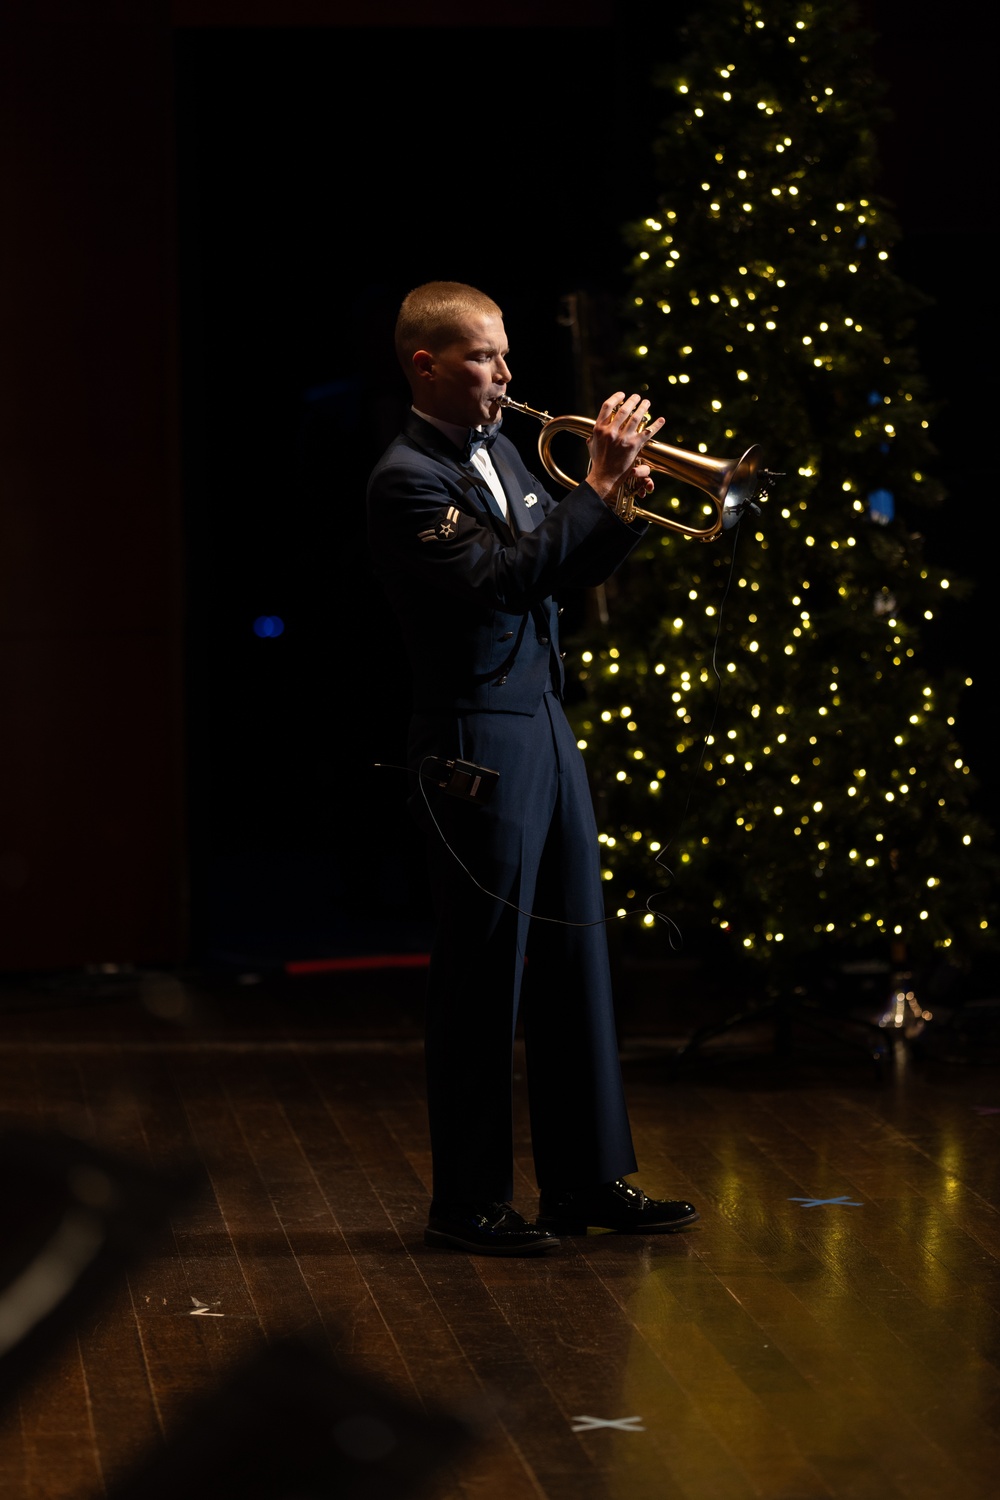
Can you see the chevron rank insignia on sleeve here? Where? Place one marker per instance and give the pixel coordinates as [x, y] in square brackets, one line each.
[444, 528]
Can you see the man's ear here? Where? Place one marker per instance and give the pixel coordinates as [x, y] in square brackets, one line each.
[423, 364]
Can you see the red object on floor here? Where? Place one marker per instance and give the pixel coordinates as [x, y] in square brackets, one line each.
[358, 962]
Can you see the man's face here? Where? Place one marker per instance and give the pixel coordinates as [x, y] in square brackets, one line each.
[463, 382]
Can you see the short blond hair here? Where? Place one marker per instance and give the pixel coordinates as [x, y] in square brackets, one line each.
[432, 315]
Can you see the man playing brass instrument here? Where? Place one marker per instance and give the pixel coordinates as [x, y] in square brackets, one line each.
[472, 551]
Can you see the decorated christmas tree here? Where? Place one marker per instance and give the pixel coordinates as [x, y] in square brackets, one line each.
[769, 725]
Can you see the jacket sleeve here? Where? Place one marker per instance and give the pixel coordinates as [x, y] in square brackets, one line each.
[423, 525]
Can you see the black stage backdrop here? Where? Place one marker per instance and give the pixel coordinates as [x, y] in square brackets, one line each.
[313, 193]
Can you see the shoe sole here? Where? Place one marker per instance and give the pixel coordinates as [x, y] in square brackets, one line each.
[438, 1240]
[571, 1227]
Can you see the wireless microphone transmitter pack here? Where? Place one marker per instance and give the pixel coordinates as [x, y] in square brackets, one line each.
[461, 778]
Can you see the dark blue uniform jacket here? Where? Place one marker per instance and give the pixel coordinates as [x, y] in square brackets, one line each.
[474, 594]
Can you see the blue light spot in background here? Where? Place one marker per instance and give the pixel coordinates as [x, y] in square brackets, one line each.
[332, 389]
[266, 626]
[874, 398]
[882, 506]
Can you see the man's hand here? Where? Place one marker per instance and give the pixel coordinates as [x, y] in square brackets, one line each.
[615, 443]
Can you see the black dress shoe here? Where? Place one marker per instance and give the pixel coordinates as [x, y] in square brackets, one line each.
[486, 1229]
[613, 1205]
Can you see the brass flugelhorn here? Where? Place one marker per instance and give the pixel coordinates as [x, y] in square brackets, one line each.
[735, 485]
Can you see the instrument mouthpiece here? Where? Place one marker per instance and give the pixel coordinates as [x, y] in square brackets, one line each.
[529, 411]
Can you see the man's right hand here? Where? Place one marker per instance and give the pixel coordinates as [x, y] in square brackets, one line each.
[616, 442]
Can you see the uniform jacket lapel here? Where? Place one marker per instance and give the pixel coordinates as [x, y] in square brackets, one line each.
[425, 436]
[491, 501]
[522, 515]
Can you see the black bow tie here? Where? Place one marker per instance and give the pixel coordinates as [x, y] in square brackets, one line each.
[479, 437]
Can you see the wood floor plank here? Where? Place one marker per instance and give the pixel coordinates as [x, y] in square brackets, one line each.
[19, 1089]
[880, 1422]
[13, 1467]
[59, 1467]
[452, 1345]
[515, 1391]
[381, 1211]
[54, 1395]
[600, 1367]
[280, 1300]
[910, 1391]
[52, 1426]
[766, 1452]
[117, 1383]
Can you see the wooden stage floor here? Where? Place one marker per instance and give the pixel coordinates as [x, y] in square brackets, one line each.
[829, 1328]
